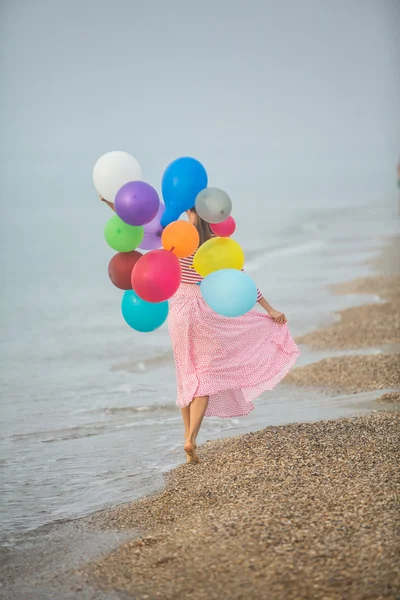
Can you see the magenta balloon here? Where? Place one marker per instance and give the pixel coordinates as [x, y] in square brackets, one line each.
[155, 226]
[151, 241]
[137, 203]
[156, 276]
[224, 229]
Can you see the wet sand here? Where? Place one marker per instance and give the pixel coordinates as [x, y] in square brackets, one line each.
[372, 325]
[358, 373]
[389, 398]
[42, 566]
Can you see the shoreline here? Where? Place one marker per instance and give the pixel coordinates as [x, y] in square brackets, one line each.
[112, 578]
[374, 325]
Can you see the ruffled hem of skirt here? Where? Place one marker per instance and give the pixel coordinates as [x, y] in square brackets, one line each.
[249, 393]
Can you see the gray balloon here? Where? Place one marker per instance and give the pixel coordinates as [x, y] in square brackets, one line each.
[213, 205]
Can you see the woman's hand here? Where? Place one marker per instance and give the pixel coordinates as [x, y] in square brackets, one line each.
[110, 204]
[277, 316]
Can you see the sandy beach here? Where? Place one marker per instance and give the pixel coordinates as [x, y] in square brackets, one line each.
[301, 511]
[298, 511]
[305, 510]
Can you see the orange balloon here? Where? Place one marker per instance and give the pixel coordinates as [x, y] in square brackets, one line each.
[181, 238]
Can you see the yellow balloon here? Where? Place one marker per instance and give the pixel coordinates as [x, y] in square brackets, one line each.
[218, 253]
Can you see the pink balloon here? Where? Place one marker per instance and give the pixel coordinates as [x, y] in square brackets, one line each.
[156, 276]
[224, 229]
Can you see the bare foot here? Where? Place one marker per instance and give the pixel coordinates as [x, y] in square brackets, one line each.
[191, 454]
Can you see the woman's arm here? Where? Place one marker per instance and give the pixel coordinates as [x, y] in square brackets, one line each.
[277, 316]
[110, 204]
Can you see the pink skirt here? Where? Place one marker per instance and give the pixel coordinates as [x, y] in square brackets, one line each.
[230, 360]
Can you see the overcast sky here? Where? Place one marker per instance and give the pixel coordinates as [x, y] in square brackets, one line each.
[246, 86]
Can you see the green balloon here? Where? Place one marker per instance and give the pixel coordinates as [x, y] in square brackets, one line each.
[121, 236]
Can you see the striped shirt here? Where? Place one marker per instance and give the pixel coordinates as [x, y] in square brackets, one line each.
[189, 275]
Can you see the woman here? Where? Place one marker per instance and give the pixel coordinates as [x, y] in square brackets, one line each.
[222, 363]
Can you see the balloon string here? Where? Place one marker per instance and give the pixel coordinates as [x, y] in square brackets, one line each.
[173, 248]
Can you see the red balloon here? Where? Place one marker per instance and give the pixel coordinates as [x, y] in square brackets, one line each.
[120, 268]
[224, 229]
[157, 276]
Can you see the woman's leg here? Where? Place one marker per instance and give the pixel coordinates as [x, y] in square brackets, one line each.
[186, 420]
[197, 408]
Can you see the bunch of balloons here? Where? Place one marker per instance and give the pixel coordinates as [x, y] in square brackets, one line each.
[143, 221]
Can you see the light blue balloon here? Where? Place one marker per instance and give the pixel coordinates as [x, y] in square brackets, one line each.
[183, 179]
[141, 315]
[229, 292]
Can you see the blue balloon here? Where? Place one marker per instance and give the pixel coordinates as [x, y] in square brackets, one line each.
[183, 179]
[141, 315]
[229, 292]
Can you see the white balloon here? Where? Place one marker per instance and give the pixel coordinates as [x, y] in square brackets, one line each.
[112, 171]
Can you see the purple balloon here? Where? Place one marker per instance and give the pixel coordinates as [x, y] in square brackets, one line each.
[153, 231]
[155, 225]
[137, 203]
[151, 241]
